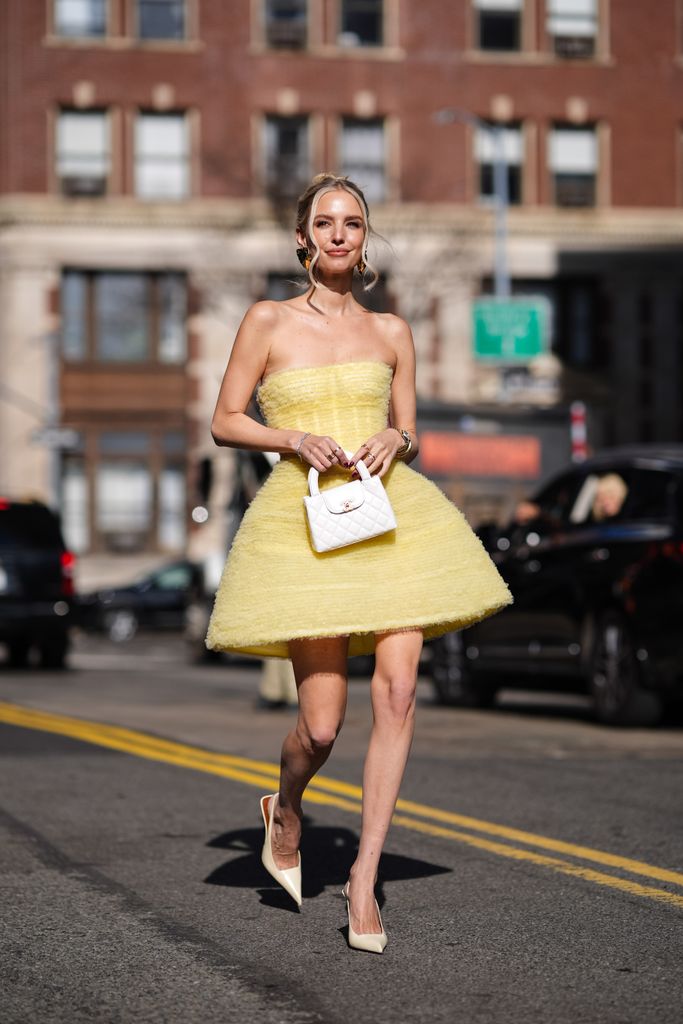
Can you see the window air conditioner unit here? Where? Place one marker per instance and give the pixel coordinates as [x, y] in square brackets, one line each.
[575, 190]
[574, 47]
[84, 185]
[287, 34]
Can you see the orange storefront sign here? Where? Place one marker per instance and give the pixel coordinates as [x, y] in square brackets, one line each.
[474, 455]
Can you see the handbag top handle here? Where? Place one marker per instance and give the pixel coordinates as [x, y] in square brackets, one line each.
[313, 475]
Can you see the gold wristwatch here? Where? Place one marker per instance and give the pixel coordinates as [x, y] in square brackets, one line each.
[407, 443]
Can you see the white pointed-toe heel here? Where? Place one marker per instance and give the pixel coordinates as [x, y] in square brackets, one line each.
[371, 942]
[288, 878]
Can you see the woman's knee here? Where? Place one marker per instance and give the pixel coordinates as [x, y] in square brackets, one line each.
[395, 694]
[318, 736]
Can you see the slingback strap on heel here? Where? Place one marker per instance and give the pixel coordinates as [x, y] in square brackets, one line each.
[288, 878]
[370, 942]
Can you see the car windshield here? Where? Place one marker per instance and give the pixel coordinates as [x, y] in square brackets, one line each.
[176, 577]
[171, 577]
[28, 526]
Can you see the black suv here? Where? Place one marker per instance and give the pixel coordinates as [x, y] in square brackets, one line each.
[36, 584]
[595, 565]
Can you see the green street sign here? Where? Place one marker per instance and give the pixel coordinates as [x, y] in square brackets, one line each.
[510, 330]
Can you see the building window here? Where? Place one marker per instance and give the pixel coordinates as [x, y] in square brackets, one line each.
[74, 502]
[573, 27]
[123, 490]
[137, 480]
[287, 155]
[80, 18]
[82, 152]
[362, 23]
[286, 24]
[162, 156]
[573, 162]
[172, 311]
[123, 502]
[123, 317]
[513, 156]
[161, 19]
[172, 502]
[578, 340]
[363, 155]
[499, 24]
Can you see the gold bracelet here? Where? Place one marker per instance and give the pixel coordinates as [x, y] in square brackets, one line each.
[301, 441]
[407, 443]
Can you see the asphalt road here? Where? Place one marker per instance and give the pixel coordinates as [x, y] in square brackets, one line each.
[534, 873]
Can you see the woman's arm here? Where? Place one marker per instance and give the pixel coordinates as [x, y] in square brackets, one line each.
[231, 427]
[403, 405]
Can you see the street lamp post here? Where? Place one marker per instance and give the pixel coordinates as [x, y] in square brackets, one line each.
[501, 275]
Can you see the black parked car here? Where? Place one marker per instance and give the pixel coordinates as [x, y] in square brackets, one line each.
[36, 584]
[158, 600]
[595, 564]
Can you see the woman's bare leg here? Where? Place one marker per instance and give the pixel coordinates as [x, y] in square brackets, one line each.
[320, 671]
[393, 706]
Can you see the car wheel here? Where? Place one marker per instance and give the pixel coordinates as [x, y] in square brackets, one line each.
[453, 681]
[53, 652]
[18, 652]
[121, 625]
[616, 677]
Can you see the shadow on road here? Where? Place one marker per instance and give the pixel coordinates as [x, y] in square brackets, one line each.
[327, 854]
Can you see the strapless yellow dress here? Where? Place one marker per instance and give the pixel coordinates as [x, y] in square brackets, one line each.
[431, 573]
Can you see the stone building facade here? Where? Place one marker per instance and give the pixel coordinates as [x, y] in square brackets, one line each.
[151, 150]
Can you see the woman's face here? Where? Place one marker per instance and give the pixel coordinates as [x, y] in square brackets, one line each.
[339, 231]
[608, 502]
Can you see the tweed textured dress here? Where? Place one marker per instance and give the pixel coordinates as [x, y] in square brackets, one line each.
[432, 572]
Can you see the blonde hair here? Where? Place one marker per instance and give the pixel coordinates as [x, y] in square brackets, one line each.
[307, 208]
[610, 483]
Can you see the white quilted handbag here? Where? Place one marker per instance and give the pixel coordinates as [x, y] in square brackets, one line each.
[339, 516]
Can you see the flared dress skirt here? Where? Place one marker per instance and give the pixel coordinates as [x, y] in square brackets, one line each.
[431, 573]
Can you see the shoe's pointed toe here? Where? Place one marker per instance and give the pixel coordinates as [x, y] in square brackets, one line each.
[288, 878]
[370, 942]
[367, 943]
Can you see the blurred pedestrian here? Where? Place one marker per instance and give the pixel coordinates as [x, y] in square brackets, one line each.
[336, 386]
[277, 688]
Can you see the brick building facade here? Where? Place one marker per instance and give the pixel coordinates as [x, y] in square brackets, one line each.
[150, 153]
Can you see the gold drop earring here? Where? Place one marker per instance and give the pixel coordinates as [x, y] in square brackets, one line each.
[303, 257]
[362, 265]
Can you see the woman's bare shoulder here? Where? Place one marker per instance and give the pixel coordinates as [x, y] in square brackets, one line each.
[263, 315]
[393, 323]
[396, 331]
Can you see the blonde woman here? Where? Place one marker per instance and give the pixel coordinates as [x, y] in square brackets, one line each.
[334, 379]
[610, 494]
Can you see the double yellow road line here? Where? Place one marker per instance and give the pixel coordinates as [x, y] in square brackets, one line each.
[501, 840]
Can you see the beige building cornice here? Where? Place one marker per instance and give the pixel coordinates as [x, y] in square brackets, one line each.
[601, 228]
